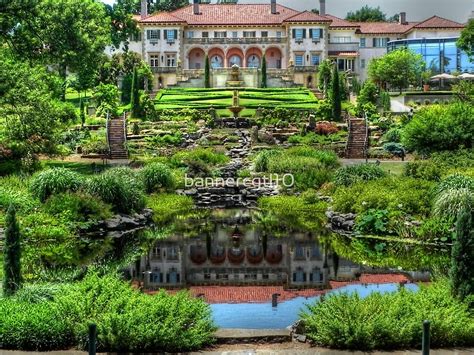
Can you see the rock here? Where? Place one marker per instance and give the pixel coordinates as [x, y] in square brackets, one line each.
[301, 338]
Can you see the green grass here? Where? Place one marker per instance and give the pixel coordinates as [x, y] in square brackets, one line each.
[79, 167]
[395, 168]
[251, 99]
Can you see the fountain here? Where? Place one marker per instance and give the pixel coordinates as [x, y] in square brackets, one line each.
[235, 108]
[235, 81]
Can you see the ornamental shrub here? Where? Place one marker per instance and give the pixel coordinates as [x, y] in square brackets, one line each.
[53, 181]
[351, 174]
[390, 321]
[426, 170]
[157, 176]
[119, 187]
[393, 135]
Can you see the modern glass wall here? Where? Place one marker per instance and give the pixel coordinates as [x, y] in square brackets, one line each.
[440, 54]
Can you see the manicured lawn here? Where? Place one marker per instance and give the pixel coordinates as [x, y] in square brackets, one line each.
[393, 167]
[79, 167]
[251, 99]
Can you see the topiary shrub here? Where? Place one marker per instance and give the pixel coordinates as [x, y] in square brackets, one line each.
[395, 149]
[393, 135]
[157, 176]
[120, 187]
[53, 181]
[351, 174]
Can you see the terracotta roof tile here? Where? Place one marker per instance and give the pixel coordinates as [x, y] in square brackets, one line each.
[307, 16]
[340, 23]
[343, 54]
[438, 22]
[162, 17]
[383, 28]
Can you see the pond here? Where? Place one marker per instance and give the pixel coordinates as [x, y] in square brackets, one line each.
[236, 265]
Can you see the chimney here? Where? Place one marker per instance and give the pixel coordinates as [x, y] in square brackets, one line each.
[274, 7]
[196, 7]
[322, 7]
[144, 9]
[403, 18]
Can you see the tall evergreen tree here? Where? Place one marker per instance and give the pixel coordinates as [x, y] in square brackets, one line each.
[336, 95]
[207, 75]
[264, 72]
[462, 259]
[11, 254]
[135, 95]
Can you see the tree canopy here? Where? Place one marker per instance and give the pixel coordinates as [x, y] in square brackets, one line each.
[466, 41]
[398, 69]
[366, 14]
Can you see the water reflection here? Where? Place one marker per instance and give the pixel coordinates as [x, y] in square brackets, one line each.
[230, 249]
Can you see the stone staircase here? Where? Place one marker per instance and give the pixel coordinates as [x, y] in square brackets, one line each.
[116, 135]
[358, 140]
[319, 95]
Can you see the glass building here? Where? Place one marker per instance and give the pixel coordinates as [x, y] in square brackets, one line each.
[440, 54]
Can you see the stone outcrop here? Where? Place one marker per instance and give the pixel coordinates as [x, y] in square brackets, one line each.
[342, 223]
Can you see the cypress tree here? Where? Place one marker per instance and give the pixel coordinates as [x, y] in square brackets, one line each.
[11, 254]
[264, 72]
[82, 113]
[135, 94]
[207, 74]
[336, 95]
[462, 257]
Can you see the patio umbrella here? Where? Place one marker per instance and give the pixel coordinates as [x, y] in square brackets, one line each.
[466, 76]
[443, 76]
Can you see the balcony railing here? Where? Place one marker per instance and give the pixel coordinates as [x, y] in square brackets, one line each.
[349, 46]
[160, 70]
[305, 68]
[232, 40]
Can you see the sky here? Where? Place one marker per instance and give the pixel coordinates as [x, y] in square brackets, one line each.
[457, 10]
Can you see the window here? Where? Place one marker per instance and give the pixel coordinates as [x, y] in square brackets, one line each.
[170, 35]
[171, 60]
[278, 34]
[235, 34]
[190, 34]
[154, 60]
[205, 35]
[362, 43]
[315, 59]
[299, 60]
[362, 63]
[136, 37]
[299, 34]
[380, 42]
[220, 34]
[250, 34]
[264, 34]
[316, 34]
[153, 34]
[341, 39]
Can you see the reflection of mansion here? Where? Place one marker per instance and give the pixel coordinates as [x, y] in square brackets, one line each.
[232, 257]
[176, 43]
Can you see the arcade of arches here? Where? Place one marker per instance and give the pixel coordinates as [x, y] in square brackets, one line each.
[251, 58]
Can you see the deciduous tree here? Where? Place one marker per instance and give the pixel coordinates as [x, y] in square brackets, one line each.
[366, 14]
[466, 41]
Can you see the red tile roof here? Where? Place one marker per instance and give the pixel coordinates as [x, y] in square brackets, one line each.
[162, 17]
[377, 28]
[439, 22]
[340, 23]
[307, 16]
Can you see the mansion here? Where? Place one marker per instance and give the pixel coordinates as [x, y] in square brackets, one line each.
[175, 44]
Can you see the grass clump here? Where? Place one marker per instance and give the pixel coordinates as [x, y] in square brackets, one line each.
[53, 181]
[157, 176]
[166, 207]
[390, 321]
[351, 174]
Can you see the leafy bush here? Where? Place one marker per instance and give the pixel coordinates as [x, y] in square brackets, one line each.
[78, 207]
[351, 174]
[33, 326]
[204, 155]
[390, 321]
[14, 190]
[128, 320]
[262, 159]
[440, 127]
[372, 222]
[393, 135]
[157, 176]
[426, 170]
[404, 195]
[119, 187]
[53, 181]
